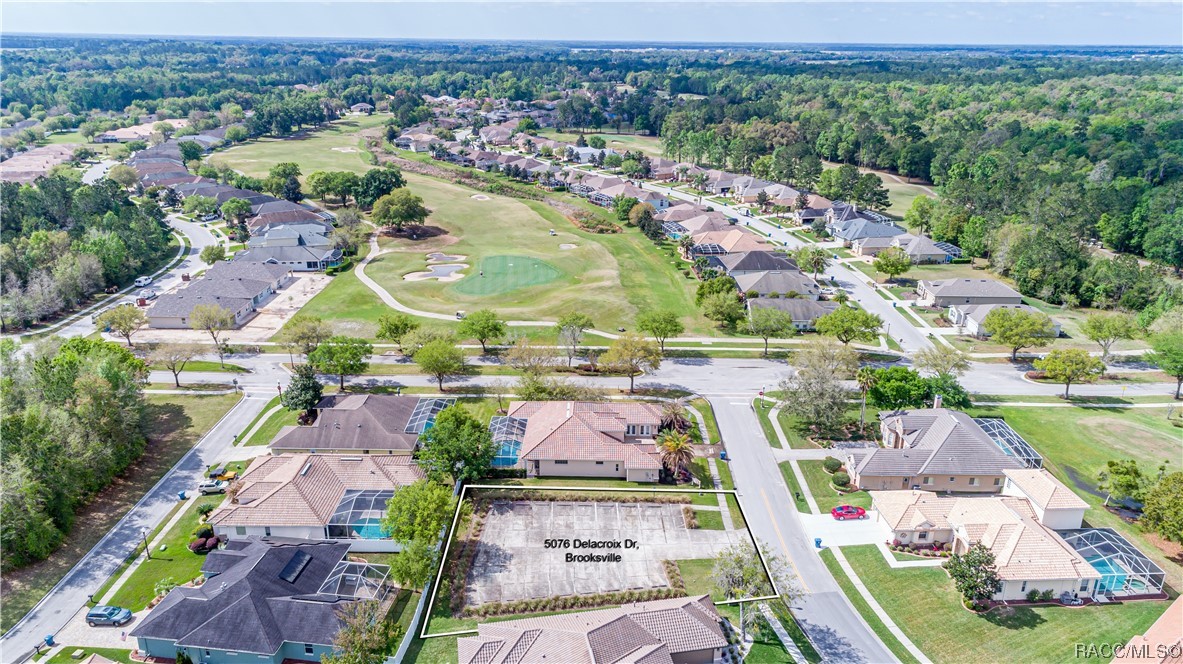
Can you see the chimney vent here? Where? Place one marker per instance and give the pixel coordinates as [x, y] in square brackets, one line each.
[936, 402]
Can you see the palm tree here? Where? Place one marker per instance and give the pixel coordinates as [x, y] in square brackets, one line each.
[866, 379]
[674, 416]
[676, 450]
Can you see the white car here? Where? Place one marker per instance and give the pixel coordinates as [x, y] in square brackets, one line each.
[143, 281]
[147, 294]
[211, 486]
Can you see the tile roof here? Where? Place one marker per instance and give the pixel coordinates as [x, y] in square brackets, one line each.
[969, 288]
[732, 241]
[644, 633]
[1044, 490]
[586, 431]
[305, 489]
[1023, 548]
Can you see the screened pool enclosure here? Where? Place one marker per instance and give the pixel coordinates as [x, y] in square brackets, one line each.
[359, 515]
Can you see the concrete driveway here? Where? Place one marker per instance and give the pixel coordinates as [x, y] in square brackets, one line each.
[845, 533]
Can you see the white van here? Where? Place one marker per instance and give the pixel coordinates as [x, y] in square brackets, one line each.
[143, 281]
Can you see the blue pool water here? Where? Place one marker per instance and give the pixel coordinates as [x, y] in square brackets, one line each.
[1113, 575]
[370, 528]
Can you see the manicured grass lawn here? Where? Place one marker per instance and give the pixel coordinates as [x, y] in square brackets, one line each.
[762, 414]
[900, 193]
[786, 471]
[1076, 443]
[203, 365]
[924, 603]
[177, 561]
[527, 276]
[272, 425]
[827, 498]
[708, 415]
[873, 620]
[113, 654]
[177, 422]
[709, 520]
[330, 148]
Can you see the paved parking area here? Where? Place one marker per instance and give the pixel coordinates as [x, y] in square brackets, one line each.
[513, 561]
[870, 530]
[78, 633]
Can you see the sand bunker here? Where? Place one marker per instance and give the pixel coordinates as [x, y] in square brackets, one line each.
[344, 149]
[437, 257]
[448, 272]
[480, 197]
[567, 247]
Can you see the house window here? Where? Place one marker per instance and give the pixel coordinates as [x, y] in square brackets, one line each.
[973, 481]
[630, 429]
[267, 531]
[1023, 589]
[599, 463]
[562, 462]
[922, 536]
[997, 481]
[239, 530]
[952, 480]
[928, 480]
[307, 648]
[1084, 585]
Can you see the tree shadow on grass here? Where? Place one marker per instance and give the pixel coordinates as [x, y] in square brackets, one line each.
[167, 420]
[1014, 617]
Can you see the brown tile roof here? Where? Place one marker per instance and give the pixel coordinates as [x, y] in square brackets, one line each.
[587, 431]
[304, 489]
[1044, 490]
[642, 633]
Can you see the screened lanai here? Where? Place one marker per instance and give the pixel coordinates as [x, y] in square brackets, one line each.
[1124, 569]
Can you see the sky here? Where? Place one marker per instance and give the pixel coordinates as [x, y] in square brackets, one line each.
[829, 22]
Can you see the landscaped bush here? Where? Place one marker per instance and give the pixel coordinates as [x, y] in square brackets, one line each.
[831, 465]
[689, 517]
[204, 531]
[752, 295]
[774, 295]
[204, 544]
[1033, 595]
[205, 509]
[841, 479]
[1047, 595]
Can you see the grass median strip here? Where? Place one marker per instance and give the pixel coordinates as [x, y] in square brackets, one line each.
[786, 470]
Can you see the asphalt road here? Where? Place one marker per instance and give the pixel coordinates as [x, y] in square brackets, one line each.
[822, 610]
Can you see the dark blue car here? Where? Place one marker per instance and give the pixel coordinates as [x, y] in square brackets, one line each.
[107, 615]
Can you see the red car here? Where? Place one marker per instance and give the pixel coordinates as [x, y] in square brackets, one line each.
[844, 512]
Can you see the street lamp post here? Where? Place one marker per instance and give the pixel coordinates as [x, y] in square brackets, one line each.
[147, 550]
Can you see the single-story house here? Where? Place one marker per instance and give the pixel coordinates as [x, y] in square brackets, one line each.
[937, 449]
[790, 284]
[608, 196]
[681, 211]
[298, 247]
[362, 108]
[850, 231]
[702, 222]
[140, 132]
[972, 317]
[922, 249]
[316, 496]
[733, 241]
[756, 261]
[948, 292]
[868, 247]
[240, 287]
[362, 424]
[267, 601]
[579, 439]
[1028, 554]
[586, 155]
[745, 188]
[683, 630]
[803, 312]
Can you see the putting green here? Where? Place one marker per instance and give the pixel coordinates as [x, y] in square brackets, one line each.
[503, 274]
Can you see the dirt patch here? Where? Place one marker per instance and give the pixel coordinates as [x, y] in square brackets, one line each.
[416, 233]
[1173, 551]
[480, 197]
[347, 150]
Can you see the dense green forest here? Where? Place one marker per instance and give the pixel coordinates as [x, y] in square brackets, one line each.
[72, 419]
[1034, 154]
[62, 241]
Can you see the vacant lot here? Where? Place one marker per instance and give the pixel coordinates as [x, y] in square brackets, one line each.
[177, 422]
[650, 145]
[514, 562]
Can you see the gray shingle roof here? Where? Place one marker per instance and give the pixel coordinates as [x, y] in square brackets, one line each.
[750, 261]
[938, 441]
[970, 288]
[803, 311]
[247, 607]
[355, 422]
[776, 281]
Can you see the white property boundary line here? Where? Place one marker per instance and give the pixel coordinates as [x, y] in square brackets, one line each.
[456, 518]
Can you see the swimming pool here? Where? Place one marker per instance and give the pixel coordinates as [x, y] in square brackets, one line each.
[1113, 575]
[368, 528]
